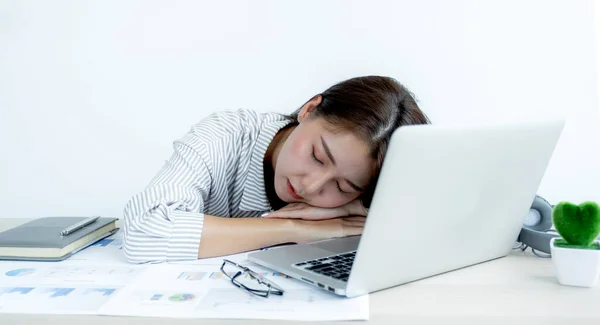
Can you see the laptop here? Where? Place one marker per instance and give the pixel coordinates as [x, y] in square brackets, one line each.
[448, 197]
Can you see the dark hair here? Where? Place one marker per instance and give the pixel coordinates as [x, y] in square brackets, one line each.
[372, 107]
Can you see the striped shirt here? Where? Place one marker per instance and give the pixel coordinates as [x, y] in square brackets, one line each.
[215, 169]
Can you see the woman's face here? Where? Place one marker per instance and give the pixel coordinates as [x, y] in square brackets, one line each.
[319, 167]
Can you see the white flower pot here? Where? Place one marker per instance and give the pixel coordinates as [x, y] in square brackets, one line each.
[575, 266]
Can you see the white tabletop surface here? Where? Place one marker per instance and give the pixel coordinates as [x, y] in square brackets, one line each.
[518, 289]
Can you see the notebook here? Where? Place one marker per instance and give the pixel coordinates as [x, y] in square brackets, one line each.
[43, 239]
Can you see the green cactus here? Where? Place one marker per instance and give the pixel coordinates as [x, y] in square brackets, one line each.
[578, 225]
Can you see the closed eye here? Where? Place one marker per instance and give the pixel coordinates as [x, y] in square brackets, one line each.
[315, 157]
[337, 184]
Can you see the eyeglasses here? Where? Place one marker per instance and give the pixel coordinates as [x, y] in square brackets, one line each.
[244, 278]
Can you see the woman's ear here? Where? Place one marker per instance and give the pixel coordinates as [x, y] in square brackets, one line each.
[306, 110]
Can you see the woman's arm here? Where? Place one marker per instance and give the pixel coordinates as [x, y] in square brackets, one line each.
[224, 236]
[309, 212]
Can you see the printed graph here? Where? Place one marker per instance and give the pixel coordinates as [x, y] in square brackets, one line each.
[20, 272]
[56, 299]
[18, 290]
[101, 291]
[218, 275]
[167, 298]
[57, 292]
[192, 276]
[181, 297]
[84, 271]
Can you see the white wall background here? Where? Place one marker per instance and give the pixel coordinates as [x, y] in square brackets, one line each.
[92, 93]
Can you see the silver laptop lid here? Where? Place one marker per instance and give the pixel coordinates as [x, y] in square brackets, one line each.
[449, 197]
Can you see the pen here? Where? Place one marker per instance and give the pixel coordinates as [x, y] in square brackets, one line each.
[78, 226]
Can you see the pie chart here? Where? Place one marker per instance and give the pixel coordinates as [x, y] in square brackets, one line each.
[20, 272]
[179, 297]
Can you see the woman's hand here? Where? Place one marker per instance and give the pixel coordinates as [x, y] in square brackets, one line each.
[309, 212]
[310, 231]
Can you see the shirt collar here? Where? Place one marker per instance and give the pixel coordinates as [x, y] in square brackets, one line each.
[254, 197]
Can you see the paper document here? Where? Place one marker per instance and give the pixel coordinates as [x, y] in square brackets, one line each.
[54, 300]
[105, 250]
[49, 273]
[202, 291]
[60, 288]
[99, 281]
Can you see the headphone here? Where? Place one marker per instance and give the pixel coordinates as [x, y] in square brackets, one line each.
[536, 231]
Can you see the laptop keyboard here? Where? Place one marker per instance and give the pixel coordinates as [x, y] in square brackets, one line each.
[335, 266]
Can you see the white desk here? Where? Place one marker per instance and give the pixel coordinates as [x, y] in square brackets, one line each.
[518, 289]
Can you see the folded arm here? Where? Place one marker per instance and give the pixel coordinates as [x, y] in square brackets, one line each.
[166, 221]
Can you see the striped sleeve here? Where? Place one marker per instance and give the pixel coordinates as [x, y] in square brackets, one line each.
[165, 221]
